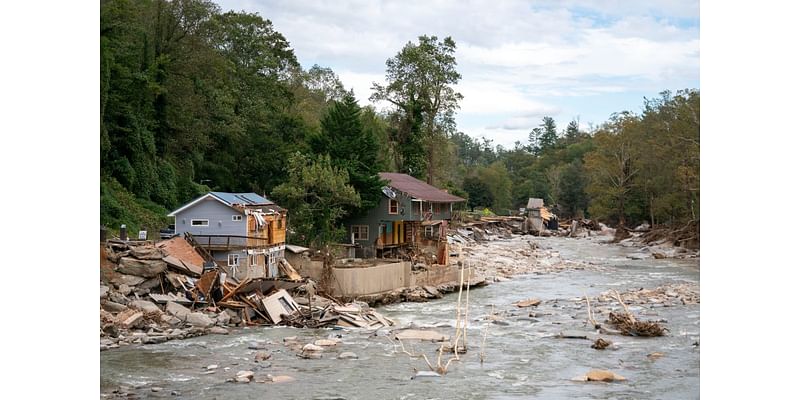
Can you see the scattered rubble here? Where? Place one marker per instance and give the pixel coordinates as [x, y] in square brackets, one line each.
[188, 296]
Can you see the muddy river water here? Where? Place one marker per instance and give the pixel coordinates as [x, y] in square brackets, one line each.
[523, 359]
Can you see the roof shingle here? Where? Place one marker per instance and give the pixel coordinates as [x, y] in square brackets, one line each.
[418, 189]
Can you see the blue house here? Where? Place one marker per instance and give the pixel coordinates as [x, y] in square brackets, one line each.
[410, 212]
[244, 232]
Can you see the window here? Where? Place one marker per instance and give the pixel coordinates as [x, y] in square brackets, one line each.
[429, 231]
[280, 223]
[360, 232]
[392, 206]
[254, 259]
[199, 222]
[437, 208]
[233, 260]
[236, 217]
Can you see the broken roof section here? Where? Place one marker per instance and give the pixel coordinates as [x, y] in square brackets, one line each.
[234, 200]
[418, 189]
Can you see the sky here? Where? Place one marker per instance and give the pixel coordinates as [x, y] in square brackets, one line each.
[519, 60]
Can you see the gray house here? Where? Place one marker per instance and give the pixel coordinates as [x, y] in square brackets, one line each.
[244, 232]
[410, 212]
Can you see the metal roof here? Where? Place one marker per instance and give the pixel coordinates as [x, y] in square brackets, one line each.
[418, 189]
[230, 199]
[241, 198]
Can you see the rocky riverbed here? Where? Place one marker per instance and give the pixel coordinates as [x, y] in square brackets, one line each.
[524, 355]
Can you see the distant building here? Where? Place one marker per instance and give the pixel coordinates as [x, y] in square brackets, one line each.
[410, 212]
[244, 232]
[539, 217]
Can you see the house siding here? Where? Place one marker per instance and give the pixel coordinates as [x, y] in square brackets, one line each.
[219, 218]
[408, 210]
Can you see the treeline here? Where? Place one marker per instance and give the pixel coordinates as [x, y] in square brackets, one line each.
[193, 99]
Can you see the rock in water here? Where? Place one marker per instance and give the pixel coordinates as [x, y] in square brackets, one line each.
[532, 302]
[262, 355]
[326, 342]
[348, 356]
[311, 347]
[601, 375]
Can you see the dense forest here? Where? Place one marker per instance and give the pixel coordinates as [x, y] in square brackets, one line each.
[193, 99]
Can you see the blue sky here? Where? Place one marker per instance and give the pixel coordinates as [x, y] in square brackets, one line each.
[519, 60]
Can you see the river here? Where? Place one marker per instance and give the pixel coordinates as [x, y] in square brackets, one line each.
[522, 360]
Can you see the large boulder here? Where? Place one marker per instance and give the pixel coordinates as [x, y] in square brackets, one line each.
[178, 310]
[144, 305]
[144, 268]
[199, 319]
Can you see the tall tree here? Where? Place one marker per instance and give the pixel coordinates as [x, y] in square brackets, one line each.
[612, 167]
[351, 148]
[549, 135]
[420, 84]
[316, 194]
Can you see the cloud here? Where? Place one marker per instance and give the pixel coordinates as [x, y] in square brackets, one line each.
[518, 60]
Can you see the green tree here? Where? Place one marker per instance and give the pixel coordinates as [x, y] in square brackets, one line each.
[316, 194]
[612, 167]
[549, 136]
[420, 84]
[351, 148]
[496, 178]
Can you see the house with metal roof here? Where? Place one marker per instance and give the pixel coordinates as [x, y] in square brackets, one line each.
[245, 233]
[409, 213]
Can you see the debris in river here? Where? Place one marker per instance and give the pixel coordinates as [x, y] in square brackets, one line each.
[600, 344]
[630, 326]
[655, 356]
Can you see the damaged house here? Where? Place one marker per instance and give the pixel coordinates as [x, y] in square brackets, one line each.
[538, 218]
[244, 233]
[411, 214]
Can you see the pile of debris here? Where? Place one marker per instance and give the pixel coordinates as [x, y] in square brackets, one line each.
[667, 295]
[350, 315]
[628, 325]
[150, 293]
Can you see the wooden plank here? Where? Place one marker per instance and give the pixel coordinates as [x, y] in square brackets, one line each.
[206, 283]
[235, 290]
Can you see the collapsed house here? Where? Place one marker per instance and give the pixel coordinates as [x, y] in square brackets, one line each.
[243, 233]
[411, 214]
[538, 218]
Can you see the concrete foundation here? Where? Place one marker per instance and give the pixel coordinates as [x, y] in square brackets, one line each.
[379, 278]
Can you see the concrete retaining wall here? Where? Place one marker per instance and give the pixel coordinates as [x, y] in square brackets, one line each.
[381, 278]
